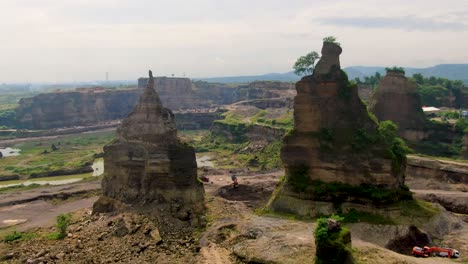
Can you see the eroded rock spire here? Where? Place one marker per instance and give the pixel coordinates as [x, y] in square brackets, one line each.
[335, 142]
[148, 167]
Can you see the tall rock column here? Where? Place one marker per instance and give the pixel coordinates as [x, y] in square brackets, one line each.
[335, 153]
[148, 167]
[396, 99]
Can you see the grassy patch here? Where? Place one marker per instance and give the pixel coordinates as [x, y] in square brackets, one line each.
[227, 154]
[337, 192]
[73, 152]
[355, 216]
[418, 209]
[20, 187]
[19, 236]
[264, 211]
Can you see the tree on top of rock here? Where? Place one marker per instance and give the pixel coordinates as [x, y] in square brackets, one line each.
[331, 39]
[305, 64]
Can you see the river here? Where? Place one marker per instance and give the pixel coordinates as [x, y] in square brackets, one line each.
[98, 167]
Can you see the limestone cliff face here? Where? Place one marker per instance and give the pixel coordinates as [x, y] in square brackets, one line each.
[65, 109]
[175, 93]
[85, 107]
[396, 99]
[147, 165]
[334, 140]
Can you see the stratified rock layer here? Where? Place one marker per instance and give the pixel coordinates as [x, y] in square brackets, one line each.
[334, 141]
[396, 99]
[76, 108]
[148, 166]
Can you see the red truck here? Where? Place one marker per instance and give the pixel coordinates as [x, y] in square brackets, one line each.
[435, 251]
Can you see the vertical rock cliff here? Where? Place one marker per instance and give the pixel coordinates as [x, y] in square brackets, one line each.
[148, 167]
[396, 99]
[335, 154]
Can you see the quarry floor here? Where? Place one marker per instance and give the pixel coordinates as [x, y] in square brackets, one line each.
[235, 234]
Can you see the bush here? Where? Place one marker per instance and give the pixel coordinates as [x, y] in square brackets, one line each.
[337, 193]
[450, 114]
[396, 146]
[461, 125]
[331, 39]
[63, 221]
[395, 69]
[332, 247]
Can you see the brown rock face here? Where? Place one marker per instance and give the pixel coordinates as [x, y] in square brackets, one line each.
[77, 108]
[396, 99]
[334, 140]
[176, 93]
[148, 166]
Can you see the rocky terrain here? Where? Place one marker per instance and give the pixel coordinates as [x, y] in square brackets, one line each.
[235, 234]
[396, 99]
[148, 169]
[86, 107]
[334, 140]
[79, 108]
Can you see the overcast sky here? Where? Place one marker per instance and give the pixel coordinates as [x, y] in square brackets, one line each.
[73, 40]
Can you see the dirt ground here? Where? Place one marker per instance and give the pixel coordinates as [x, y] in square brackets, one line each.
[235, 233]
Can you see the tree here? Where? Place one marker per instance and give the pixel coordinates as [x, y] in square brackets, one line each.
[305, 64]
[419, 78]
[395, 69]
[331, 39]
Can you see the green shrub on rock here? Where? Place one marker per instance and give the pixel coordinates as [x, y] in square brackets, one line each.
[333, 242]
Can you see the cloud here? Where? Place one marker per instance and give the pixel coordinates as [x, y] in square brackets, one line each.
[408, 23]
[81, 39]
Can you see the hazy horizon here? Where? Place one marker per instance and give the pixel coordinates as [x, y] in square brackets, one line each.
[81, 40]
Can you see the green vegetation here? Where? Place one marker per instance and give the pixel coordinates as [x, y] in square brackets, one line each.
[338, 193]
[19, 187]
[63, 221]
[229, 154]
[418, 209]
[299, 178]
[7, 118]
[331, 39]
[332, 247]
[461, 125]
[228, 138]
[388, 131]
[355, 216]
[372, 81]
[15, 236]
[305, 64]
[449, 114]
[395, 69]
[37, 157]
[441, 141]
[436, 91]
[344, 91]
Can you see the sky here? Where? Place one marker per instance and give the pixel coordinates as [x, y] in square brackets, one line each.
[81, 40]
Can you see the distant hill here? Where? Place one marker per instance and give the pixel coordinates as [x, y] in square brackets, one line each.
[281, 77]
[449, 71]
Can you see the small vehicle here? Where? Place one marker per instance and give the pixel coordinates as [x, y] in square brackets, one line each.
[435, 251]
[419, 252]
